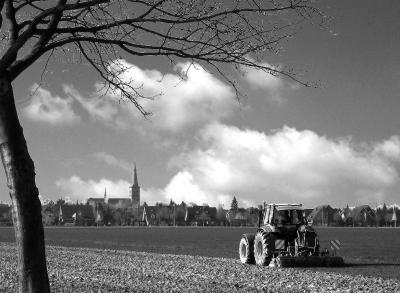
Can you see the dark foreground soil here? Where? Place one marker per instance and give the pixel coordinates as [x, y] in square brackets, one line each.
[102, 270]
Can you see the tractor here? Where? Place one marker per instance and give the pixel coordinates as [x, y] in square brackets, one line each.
[284, 238]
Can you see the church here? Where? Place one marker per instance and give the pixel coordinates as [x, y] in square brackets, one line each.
[131, 202]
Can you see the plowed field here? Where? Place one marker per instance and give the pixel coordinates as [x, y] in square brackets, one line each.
[368, 251]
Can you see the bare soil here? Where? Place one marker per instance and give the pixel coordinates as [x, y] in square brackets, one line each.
[104, 270]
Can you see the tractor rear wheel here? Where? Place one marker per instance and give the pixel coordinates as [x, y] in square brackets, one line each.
[246, 249]
[264, 246]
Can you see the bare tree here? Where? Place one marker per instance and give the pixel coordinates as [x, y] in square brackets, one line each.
[216, 34]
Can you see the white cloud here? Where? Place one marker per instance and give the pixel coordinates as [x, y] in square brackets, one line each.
[178, 103]
[261, 79]
[285, 166]
[193, 101]
[153, 195]
[389, 148]
[183, 187]
[45, 107]
[100, 107]
[79, 189]
[272, 84]
[76, 188]
[112, 161]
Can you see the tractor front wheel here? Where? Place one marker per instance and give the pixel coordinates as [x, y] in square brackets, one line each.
[264, 244]
[246, 249]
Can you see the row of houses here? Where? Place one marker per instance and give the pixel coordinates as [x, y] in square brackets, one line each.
[363, 215]
[183, 215]
[65, 214]
[173, 214]
[158, 215]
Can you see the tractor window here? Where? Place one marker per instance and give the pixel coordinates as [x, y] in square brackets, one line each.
[282, 217]
[296, 216]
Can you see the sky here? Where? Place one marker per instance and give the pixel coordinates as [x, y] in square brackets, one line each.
[338, 143]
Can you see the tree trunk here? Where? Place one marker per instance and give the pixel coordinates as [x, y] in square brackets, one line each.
[26, 208]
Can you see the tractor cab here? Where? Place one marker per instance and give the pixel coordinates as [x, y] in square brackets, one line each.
[285, 219]
[283, 214]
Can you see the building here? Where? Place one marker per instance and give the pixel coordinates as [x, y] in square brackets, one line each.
[163, 215]
[5, 215]
[325, 215]
[201, 216]
[242, 217]
[95, 202]
[363, 215]
[119, 203]
[71, 214]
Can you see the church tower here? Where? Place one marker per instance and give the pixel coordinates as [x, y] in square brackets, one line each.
[135, 192]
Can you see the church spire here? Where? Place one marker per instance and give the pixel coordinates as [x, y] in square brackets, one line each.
[134, 179]
[134, 191]
[105, 194]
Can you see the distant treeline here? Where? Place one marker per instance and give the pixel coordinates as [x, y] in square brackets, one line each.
[172, 214]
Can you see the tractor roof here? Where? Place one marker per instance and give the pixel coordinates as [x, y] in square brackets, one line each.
[286, 206]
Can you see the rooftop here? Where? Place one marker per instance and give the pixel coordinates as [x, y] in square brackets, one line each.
[287, 206]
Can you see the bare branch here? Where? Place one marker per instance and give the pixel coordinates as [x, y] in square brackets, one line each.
[205, 31]
[112, 78]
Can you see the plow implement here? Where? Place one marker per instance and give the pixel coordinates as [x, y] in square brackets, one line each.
[285, 239]
[306, 261]
[304, 253]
